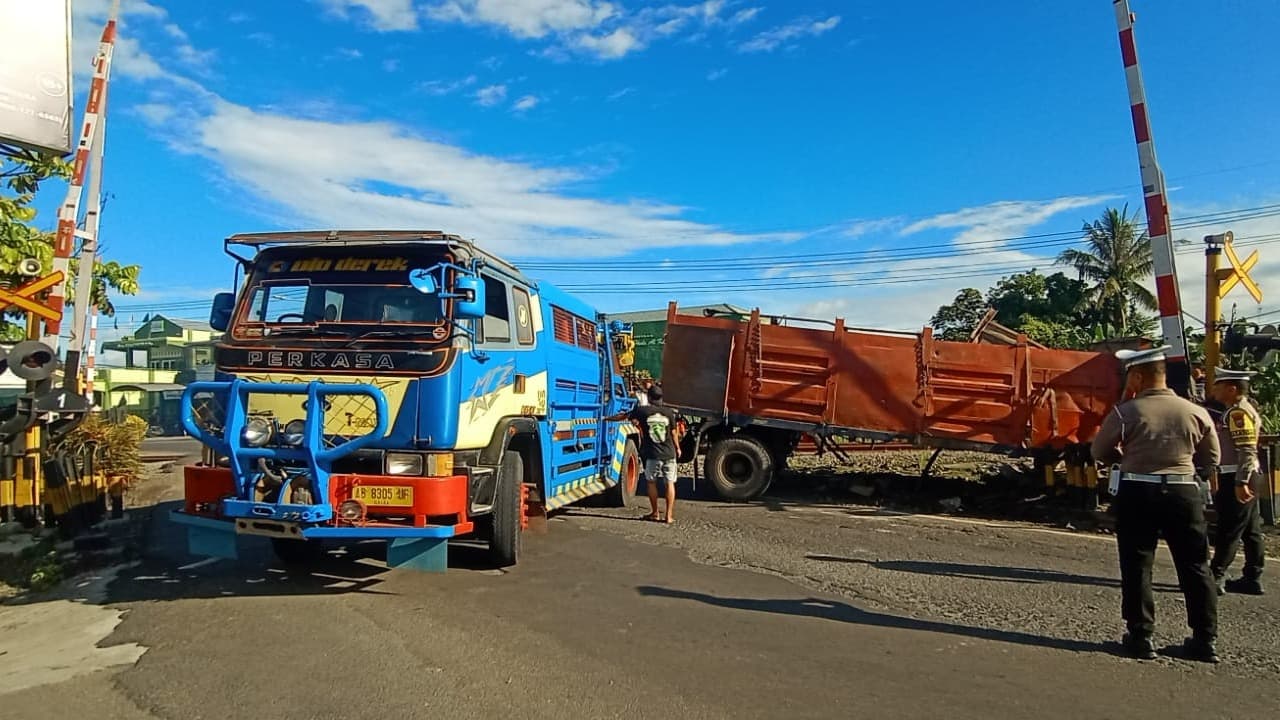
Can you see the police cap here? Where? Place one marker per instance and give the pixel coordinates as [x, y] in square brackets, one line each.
[1224, 375]
[1131, 358]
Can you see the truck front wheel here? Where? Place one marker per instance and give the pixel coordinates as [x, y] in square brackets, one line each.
[740, 467]
[505, 534]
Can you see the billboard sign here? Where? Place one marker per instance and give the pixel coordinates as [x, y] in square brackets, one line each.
[35, 74]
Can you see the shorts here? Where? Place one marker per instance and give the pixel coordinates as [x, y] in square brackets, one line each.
[663, 471]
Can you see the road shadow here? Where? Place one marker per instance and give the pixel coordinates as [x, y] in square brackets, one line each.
[998, 573]
[155, 566]
[841, 612]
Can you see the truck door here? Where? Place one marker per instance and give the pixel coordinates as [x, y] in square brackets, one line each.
[575, 406]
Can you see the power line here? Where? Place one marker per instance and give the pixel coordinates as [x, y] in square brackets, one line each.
[833, 260]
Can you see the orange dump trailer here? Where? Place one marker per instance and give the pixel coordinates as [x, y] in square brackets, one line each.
[759, 386]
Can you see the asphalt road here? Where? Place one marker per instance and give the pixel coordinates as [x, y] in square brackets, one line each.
[737, 611]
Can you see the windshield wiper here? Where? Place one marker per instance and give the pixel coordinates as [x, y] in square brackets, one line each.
[273, 332]
[406, 333]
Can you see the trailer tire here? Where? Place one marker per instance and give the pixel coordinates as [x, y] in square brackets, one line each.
[504, 521]
[624, 493]
[740, 467]
[297, 552]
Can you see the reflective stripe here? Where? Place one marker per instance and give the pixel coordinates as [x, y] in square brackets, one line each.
[1228, 468]
[1159, 479]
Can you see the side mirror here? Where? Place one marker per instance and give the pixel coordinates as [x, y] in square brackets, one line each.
[423, 281]
[468, 303]
[220, 313]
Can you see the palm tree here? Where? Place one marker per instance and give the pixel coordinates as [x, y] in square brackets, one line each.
[1116, 261]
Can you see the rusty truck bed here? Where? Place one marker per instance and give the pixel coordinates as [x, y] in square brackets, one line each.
[872, 385]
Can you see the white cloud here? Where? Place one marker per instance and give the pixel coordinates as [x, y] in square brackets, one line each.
[603, 30]
[381, 15]
[770, 40]
[717, 74]
[349, 53]
[858, 228]
[491, 95]
[155, 113]
[526, 103]
[904, 294]
[129, 59]
[612, 46]
[988, 226]
[619, 94]
[526, 18]
[239, 17]
[348, 174]
[745, 15]
[447, 87]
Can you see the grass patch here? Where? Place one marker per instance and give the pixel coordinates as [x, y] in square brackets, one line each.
[38, 567]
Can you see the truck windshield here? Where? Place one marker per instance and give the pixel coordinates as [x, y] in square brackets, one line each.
[303, 303]
[337, 291]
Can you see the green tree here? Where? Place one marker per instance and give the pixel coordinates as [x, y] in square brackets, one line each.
[957, 320]
[20, 239]
[1115, 263]
[1048, 309]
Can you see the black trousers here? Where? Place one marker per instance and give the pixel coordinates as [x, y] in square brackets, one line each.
[1144, 513]
[1237, 522]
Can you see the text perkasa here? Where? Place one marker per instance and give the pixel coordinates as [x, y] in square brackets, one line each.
[319, 360]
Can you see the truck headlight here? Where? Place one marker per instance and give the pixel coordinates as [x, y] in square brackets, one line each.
[257, 431]
[403, 463]
[293, 432]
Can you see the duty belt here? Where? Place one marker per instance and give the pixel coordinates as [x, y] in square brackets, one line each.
[1159, 479]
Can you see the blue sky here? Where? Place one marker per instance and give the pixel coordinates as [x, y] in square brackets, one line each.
[711, 150]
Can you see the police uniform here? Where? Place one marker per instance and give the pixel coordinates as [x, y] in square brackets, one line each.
[1238, 430]
[1161, 445]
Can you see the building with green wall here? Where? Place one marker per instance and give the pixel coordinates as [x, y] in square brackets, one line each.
[649, 328]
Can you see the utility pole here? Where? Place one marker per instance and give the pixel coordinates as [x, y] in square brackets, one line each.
[1157, 207]
[1212, 304]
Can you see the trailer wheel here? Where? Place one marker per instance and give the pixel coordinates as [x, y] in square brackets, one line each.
[740, 467]
[623, 494]
[504, 533]
[297, 552]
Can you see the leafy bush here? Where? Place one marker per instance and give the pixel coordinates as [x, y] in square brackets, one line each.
[118, 445]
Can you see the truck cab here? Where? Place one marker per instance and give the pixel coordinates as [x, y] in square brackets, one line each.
[404, 386]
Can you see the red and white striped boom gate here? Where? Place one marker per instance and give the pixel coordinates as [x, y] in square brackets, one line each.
[88, 153]
[1157, 207]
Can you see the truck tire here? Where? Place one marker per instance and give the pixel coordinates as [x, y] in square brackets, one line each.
[740, 467]
[504, 531]
[297, 552]
[624, 493]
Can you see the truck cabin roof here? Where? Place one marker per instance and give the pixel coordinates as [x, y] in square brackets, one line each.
[463, 249]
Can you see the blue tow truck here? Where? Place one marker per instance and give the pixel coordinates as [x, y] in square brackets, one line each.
[400, 386]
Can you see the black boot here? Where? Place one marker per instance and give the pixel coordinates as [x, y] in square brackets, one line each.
[1220, 583]
[1245, 586]
[1200, 648]
[1139, 646]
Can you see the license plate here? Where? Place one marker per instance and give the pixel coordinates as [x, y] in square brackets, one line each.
[383, 495]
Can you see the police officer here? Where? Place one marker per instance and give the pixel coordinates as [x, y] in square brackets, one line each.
[1238, 514]
[1160, 445]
